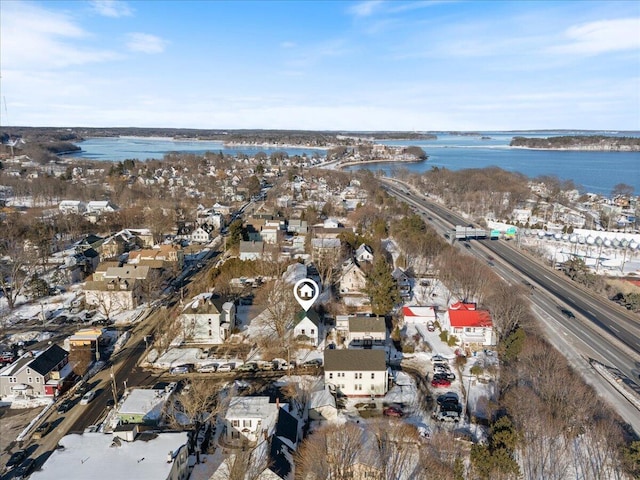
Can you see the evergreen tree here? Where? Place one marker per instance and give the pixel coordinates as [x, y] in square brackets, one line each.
[382, 288]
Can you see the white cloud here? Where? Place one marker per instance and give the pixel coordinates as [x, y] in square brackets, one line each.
[601, 36]
[37, 38]
[365, 9]
[111, 8]
[287, 45]
[145, 43]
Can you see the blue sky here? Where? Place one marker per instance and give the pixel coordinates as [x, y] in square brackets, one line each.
[331, 65]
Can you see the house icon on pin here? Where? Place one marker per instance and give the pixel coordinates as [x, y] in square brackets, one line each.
[306, 291]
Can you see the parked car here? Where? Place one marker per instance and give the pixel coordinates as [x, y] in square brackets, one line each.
[17, 457]
[248, 367]
[87, 397]
[440, 382]
[314, 362]
[266, 366]
[24, 469]
[82, 389]
[392, 412]
[225, 367]
[42, 430]
[448, 416]
[447, 397]
[208, 368]
[65, 406]
[179, 370]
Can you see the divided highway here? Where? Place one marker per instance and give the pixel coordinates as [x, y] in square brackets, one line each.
[607, 329]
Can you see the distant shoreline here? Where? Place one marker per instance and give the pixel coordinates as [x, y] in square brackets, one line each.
[585, 148]
[366, 162]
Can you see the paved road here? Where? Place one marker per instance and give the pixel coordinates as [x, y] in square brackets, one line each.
[600, 330]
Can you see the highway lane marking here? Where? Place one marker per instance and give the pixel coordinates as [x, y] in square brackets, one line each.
[614, 328]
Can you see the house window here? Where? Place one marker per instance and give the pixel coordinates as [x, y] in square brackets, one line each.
[235, 434]
[313, 332]
[12, 379]
[209, 321]
[37, 379]
[358, 376]
[330, 376]
[373, 376]
[246, 423]
[235, 423]
[210, 332]
[30, 379]
[358, 386]
[303, 331]
[28, 371]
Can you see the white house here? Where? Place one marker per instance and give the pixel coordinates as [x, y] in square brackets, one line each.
[356, 373]
[113, 296]
[364, 253]
[72, 206]
[474, 328]
[100, 456]
[322, 406]
[366, 332]
[208, 319]
[353, 280]
[201, 235]
[307, 327]
[98, 207]
[249, 420]
[331, 223]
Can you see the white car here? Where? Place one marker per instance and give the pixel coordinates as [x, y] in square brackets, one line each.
[87, 397]
[225, 367]
[208, 368]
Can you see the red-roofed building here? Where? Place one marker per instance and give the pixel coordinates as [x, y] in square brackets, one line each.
[472, 327]
[419, 314]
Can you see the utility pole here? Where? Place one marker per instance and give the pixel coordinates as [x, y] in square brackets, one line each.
[114, 388]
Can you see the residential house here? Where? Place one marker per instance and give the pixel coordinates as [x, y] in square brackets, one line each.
[72, 206]
[322, 406]
[208, 319]
[284, 442]
[36, 374]
[251, 250]
[353, 280]
[364, 254]
[143, 406]
[325, 249]
[366, 332]
[113, 296]
[356, 373]
[222, 209]
[82, 263]
[202, 234]
[331, 223]
[298, 226]
[402, 280]
[473, 328]
[98, 207]
[170, 255]
[127, 272]
[99, 456]
[307, 327]
[248, 421]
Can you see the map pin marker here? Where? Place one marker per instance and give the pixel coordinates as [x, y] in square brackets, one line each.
[306, 292]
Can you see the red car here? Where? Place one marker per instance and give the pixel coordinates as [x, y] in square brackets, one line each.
[392, 412]
[440, 382]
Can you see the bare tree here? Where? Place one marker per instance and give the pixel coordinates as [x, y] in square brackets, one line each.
[329, 453]
[247, 463]
[16, 265]
[395, 446]
[508, 308]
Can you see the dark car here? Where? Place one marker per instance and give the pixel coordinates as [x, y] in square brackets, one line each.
[65, 406]
[315, 362]
[17, 457]
[567, 313]
[392, 412]
[25, 469]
